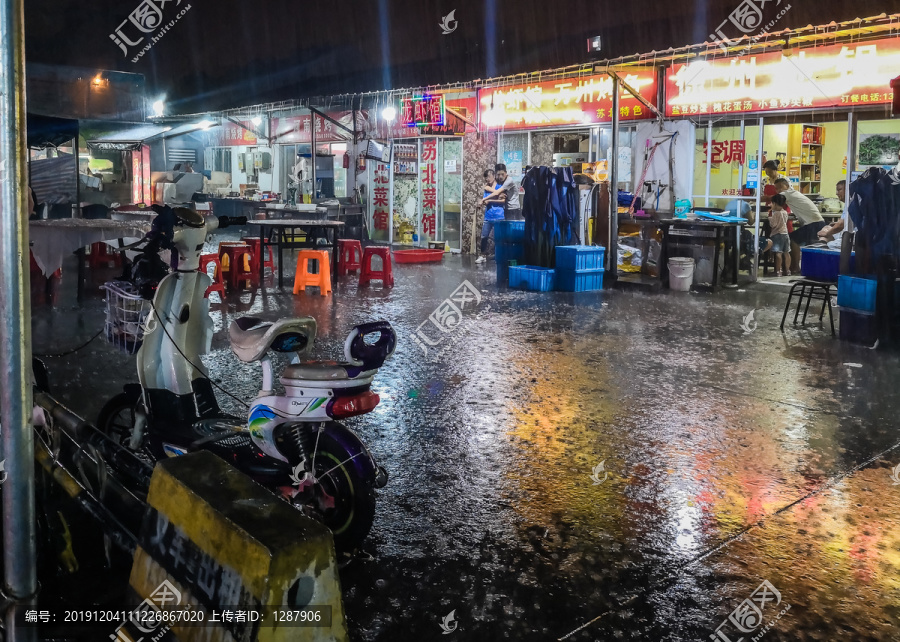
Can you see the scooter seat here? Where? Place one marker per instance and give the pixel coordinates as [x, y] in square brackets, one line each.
[327, 371]
[251, 337]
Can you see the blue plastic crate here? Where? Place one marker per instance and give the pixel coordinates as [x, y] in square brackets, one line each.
[857, 293]
[576, 258]
[822, 264]
[509, 231]
[582, 281]
[529, 277]
[503, 254]
[858, 327]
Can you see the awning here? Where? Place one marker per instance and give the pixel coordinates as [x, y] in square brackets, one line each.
[49, 131]
[128, 139]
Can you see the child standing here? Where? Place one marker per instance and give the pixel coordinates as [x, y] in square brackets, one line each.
[781, 242]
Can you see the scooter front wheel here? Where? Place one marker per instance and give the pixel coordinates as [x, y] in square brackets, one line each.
[341, 499]
[116, 419]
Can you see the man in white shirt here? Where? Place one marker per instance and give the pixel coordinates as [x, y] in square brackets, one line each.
[513, 210]
[811, 221]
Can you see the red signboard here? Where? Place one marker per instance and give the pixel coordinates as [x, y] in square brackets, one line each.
[572, 101]
[231, 134]
[429, 186]
[380, 129]
[851, 75]
[726, 151]
[140, 176]
[381, 198]
[422, 110]
[298, 129]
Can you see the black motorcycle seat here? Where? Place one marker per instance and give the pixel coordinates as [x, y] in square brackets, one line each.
[252, 337]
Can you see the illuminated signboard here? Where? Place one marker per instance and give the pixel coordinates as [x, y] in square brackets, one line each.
[571, 101]
[852, 75]
[422, 111]
[140, 176]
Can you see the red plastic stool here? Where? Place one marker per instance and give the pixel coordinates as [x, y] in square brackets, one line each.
[101, 256]
[349, 256]
[254, 261]
[218, 285]
[236, 259]
[385, 274]
[305, 277]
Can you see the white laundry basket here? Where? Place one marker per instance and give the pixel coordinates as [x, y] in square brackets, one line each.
[681, 274]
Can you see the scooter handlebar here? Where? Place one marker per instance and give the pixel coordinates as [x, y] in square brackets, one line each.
[225, 221]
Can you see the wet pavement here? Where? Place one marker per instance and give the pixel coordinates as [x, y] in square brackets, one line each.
[596, 466]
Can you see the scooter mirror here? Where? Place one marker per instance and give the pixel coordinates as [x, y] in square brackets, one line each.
[189, 217]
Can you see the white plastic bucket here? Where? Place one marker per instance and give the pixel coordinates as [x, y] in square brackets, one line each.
[681, 274]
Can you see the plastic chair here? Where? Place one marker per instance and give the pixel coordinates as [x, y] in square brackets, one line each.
[385, 274]
[102, 257]
[255, 249]
[236, 259]
[304, 277]
[218, 285]
[349, 256]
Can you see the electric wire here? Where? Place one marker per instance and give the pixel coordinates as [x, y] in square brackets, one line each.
[73, 350]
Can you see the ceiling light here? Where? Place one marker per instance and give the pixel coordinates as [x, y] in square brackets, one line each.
[159, 108]
[389, 113]
[256, 121]
[205, 124]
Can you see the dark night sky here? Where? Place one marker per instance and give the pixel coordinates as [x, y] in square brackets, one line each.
[225, 53]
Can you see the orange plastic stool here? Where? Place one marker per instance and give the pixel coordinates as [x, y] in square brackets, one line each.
[101, 257]
[385, 274]
[304, 277]
[236, 259]
[349, 256]
[218, 285]
[254, 261]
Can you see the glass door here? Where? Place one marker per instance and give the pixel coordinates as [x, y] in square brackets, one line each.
[449, 228]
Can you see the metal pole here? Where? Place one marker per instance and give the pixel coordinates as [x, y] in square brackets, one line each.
[312, 159]
[614, 184]
[851, 164]
[709, 148]
[19, 554]
[754, 273]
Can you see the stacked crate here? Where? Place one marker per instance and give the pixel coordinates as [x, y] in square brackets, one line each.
[509, 247]
[856, 298]
[579, 268]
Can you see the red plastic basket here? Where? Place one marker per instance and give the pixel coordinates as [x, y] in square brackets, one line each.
[418, 256]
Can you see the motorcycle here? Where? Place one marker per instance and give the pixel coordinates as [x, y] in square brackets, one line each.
[291, 443]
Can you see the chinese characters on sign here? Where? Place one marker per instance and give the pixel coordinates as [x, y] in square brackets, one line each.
[827, 76]
[726, 151]
[429, 186]
[422, 111]
[570, 101]
[380, 197]
[231, 134]
[298, 129]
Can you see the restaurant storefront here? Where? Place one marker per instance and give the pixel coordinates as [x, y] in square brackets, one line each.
[816, 111]
[417, 198]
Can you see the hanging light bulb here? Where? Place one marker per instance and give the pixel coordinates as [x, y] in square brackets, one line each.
[256, 121]
[389, 113]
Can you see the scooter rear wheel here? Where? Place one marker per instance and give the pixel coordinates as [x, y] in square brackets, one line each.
[351, 516]
[116, 419]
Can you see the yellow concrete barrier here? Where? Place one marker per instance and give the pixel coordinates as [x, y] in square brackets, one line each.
[223, 545]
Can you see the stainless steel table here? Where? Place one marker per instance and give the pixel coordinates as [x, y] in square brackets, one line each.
[281, 226]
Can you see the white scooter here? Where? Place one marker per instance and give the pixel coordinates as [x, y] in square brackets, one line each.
[289, 443]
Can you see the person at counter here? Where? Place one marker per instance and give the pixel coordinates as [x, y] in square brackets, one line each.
[807, 214]
[772, 176]
[829, 232]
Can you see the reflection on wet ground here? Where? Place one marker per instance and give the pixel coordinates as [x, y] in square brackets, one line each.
[593, 466]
